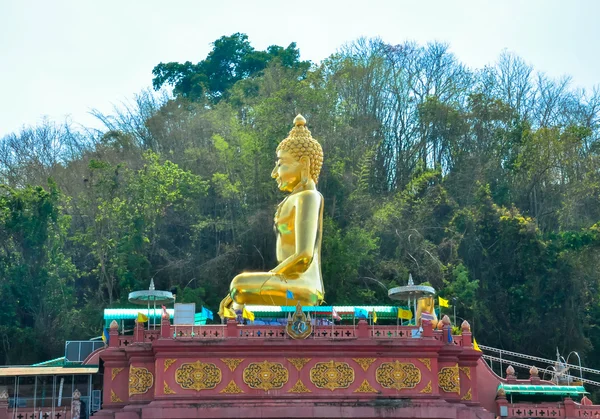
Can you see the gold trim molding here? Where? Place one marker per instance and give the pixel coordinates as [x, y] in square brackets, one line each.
[232, 363]
[140, 380]
[365, 387]
[466, 371]
[448, 379]
[114, 398]
[364, 363]
[426, 362]
[114, 372]
[299, 363]
[232, 388]
[467, 396]
[332, 375]
[398, 375]
[198, 376]
[299, 387]
[168, 363]
[265, 375]
[167, 389]
[427, 389]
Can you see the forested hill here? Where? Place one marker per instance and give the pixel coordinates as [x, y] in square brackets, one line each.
[483, 182]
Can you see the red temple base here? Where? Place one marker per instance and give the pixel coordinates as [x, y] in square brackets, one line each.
[235, 371]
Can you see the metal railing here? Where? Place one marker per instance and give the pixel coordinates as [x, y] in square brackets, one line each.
[526, 366]
[534, 358]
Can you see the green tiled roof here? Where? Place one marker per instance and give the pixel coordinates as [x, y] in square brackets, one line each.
[119, 314]
[547, 390]
[56, 362]
[346, 312]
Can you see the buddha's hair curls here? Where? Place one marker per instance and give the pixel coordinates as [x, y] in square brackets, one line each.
[300, 143]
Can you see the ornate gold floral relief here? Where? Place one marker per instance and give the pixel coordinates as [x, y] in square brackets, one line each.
[466, 371]
[365, 363]
[426, 362]
[198, 376]
[299, 363]
[299, 387]
[232, 363]
[231, 388]
[114, 398]
[332, 375]
[140, 380]
[167, 389]
[398, 375]
[168, 363]
[467, 396]
[448, 379]
[427, 389]
[265, 375]
[114, 372]
[365, 387]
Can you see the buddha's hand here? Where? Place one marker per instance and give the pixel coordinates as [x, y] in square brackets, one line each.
[281, 277]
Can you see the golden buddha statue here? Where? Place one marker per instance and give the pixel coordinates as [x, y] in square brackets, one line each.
[427, 305]
[299, 230]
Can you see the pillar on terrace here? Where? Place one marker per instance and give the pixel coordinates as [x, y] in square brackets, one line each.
[76, 403]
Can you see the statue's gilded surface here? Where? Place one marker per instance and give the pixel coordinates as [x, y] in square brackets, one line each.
[299, 230]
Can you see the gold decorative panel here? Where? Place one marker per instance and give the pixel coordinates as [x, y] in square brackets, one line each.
[365, 363]
[265, 375]
[365, 387]
[114, 372]
[231, 388]
[140, 380]
[168, 363]
[198, 376]
[466, 371]
[299, 387]
[299, 363]
[332, 375]
[114, 398]
[232, 363]
[398, 375]
[448, 379]
[167, 389]
[467, 396]
[426, 362]
[427, 389]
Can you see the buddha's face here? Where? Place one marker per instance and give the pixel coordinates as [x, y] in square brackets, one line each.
[288, 171]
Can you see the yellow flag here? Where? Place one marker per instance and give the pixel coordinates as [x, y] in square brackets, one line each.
[142, 318]
[475, 345]
[229, 313]
[247, 314]
[404, 314]
[443, 302]
[374, 316]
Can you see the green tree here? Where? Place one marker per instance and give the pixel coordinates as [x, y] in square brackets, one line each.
[232, 59]
[39, 307]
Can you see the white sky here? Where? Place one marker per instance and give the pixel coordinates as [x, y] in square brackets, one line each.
[63, 58]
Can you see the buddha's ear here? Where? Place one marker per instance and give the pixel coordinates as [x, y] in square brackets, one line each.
[305, 175]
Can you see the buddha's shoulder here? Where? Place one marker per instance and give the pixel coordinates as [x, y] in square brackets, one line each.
[310, 196]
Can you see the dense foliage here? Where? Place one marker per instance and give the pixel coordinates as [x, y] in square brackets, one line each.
[484, 183]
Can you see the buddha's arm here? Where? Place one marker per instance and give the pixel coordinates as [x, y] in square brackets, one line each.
[306, 228]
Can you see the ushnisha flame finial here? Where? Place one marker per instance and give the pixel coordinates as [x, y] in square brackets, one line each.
[299, 120]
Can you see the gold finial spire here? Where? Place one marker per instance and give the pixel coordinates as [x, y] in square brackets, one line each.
[299, 120]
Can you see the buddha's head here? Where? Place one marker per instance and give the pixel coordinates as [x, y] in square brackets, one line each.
[299, 158]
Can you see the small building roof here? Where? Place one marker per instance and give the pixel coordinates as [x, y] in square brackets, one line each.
[25, 370]
[547, 390]
[346, 312]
